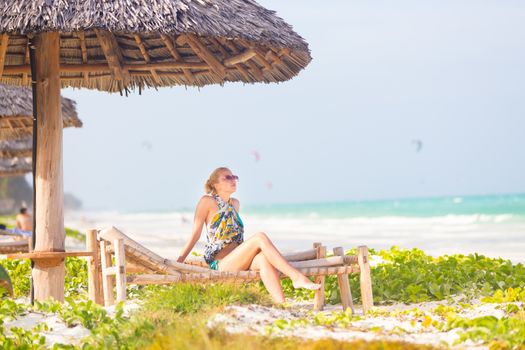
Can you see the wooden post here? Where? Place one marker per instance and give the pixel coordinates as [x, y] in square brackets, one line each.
[50, 235]
[365, 278]
[344, 285]
[107, 279]
[100, 290]
[319, 298]
[94, 282]
[120, 263]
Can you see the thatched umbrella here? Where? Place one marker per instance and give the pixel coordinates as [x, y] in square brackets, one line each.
[16, 120]
[16, 148]
[16, 116]
[120, 44]
[15, 166]
[114, 45]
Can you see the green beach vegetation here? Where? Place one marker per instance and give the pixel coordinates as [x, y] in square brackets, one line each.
[411, 276]
[176, 316]
[75, 234]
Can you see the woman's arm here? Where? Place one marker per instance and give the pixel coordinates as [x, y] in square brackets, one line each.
[201, 213]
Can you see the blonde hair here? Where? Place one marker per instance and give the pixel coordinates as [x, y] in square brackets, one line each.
[209, 186]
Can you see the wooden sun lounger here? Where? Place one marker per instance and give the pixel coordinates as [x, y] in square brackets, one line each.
[14, 247]
[135, 264]
[8, 247]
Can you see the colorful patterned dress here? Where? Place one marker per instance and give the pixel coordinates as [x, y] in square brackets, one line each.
[225, 227]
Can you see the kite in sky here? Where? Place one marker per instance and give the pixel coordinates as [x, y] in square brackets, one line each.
[418, 144]
[257, 156]
[147, 145]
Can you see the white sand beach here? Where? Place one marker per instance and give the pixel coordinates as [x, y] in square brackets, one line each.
[256, 319]
[398, 322]
[166, 233]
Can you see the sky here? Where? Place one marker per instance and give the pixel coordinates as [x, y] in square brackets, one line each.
[446, 72]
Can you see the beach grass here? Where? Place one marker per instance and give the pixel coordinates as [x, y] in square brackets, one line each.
[199, 338]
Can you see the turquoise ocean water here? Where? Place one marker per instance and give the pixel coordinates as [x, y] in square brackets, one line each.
[492, 225]
[509, 204]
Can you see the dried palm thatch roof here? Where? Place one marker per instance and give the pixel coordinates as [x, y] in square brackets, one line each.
[120, 44]
[16, 112]
[15, 166]
[16, 148]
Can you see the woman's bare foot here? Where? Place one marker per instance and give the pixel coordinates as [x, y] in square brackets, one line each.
[303, 282]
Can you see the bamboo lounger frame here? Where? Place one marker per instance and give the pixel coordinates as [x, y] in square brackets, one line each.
[135, 264]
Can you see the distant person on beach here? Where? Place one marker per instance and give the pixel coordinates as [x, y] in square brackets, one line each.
[24, 221]
[226, 249]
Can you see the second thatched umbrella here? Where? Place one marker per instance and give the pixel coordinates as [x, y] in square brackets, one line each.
[15, 166]
[16, 148]
[118, 45]
[16, 121]
[16, 117]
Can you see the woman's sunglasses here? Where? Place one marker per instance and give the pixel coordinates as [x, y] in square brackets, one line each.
[231, 177]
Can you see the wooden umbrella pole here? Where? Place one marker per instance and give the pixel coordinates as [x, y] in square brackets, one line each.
[34, 77]
[48, 276]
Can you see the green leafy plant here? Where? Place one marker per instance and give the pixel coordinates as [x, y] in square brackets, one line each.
[5, 282]
[19, 271]
[75, 234]
[20, 338]
[506, 296]
[409, 275]
[75, 282]
[498, 333]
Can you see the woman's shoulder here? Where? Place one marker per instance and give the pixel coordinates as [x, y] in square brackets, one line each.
[207, 198]
[206, 203]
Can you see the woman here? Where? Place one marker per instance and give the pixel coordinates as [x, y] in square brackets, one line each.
[226, 249]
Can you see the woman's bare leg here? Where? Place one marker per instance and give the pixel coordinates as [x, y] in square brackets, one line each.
[269, 276]
[242, 256]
